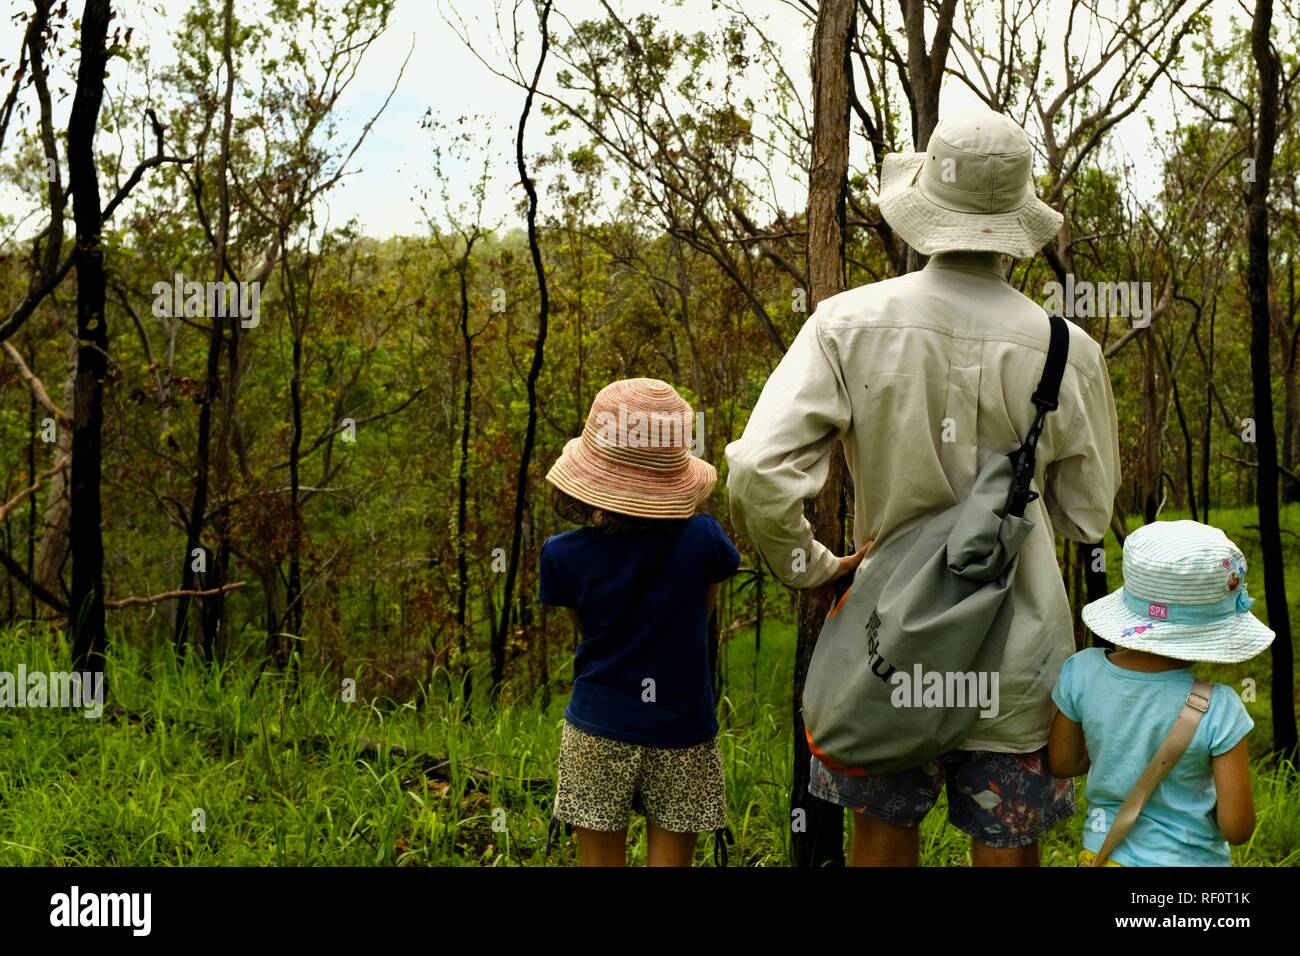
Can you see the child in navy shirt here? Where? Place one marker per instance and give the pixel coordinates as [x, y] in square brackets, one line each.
[640, 579]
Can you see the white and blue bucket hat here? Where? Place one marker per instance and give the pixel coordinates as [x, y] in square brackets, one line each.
[1184, 596]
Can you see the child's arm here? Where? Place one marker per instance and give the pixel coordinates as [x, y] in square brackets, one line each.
[1067, 751]
[1236, 810]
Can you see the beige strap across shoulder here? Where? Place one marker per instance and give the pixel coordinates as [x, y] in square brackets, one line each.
[1167, 754]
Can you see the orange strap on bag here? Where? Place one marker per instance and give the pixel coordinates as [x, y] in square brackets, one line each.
[1171, 748]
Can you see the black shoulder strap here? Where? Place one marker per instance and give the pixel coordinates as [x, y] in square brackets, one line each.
[1045, 398]
[1058, 350]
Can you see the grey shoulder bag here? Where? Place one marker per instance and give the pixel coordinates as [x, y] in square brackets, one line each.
[909, 657]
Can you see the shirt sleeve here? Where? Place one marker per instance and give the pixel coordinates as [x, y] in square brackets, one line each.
[1229, 721]
[784, 456]
[724, 559]
[552, 588]
[1082, 478]
[1066, 692]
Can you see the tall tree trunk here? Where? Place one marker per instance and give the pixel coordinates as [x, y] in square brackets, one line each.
[1152, 430]
[293, 609]
[462, 476]
[31, 510]
[52, 550]
[290, 619]
[1206, 444]
[199, 501]
[1291, 387]
[1189, 457]
[214, 607]
[925, 67]
[213, 562]
[821, 839]
[89, 639]
[31, 517]
[1096, 585]
[534, 371]
[925, 77]
[1261, 374]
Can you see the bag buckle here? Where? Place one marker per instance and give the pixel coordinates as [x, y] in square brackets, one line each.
[1045, 404]
[1198, 701]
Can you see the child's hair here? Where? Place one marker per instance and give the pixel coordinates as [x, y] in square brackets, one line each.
[570, 509]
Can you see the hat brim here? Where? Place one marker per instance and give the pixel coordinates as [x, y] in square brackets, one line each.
[1230, 641]
[626, 489]
[930, 228]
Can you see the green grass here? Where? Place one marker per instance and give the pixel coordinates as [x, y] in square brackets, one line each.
[290, 775]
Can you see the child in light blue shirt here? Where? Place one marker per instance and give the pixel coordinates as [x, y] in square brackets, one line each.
[1183, 600]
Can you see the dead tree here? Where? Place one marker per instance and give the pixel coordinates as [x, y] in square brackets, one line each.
[534, 370]
[821, 842]
[1261, 374]
[87, 544]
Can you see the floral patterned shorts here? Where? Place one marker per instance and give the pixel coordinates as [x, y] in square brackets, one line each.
[1003, 800]
[601, 781]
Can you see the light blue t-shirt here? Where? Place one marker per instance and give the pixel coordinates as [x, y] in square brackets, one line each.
[1125, 715]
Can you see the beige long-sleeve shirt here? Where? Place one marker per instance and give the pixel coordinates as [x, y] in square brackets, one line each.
[923, 377]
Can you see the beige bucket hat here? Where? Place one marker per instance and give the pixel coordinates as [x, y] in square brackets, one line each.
[634, 454]
[971, 190]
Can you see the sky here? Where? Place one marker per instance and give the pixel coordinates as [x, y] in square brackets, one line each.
[444, 76]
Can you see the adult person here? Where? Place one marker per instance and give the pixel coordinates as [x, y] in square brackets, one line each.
[922, 378]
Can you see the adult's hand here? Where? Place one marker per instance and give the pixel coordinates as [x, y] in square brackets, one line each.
[825, 593]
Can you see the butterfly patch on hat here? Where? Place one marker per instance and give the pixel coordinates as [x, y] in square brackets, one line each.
[1137, 631]
[1236, 572]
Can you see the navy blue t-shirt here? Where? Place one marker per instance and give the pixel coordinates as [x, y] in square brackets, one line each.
[663, 638]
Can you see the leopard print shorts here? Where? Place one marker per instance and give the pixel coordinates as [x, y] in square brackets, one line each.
[601, 781]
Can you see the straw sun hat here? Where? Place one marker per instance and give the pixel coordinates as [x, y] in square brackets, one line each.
[1184, 596]
[634, 455]
[971, 190]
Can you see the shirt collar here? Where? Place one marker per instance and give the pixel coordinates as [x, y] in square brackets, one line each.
[989, 263]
